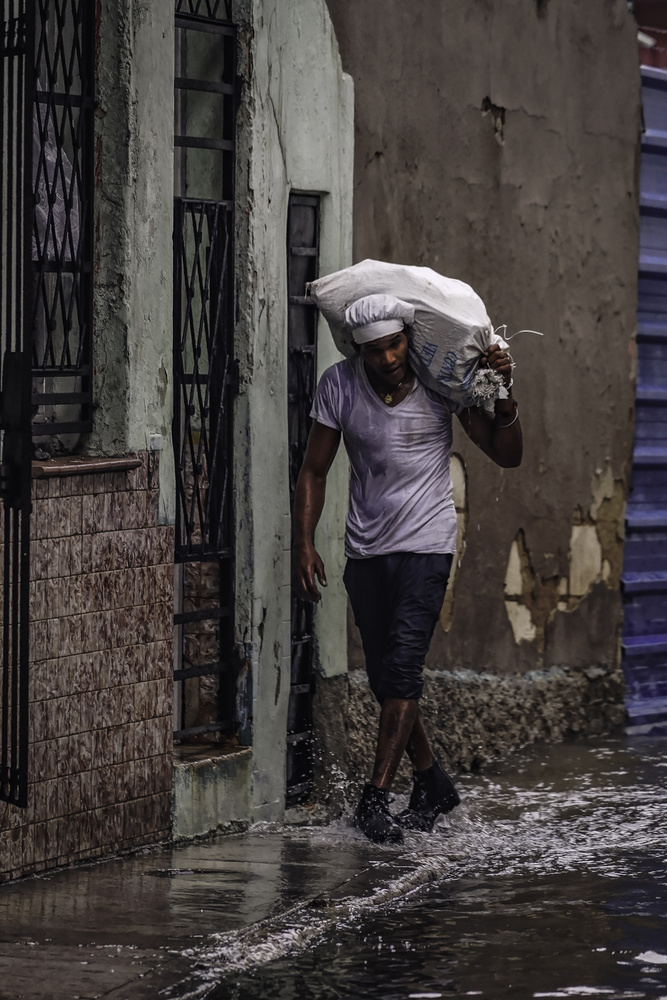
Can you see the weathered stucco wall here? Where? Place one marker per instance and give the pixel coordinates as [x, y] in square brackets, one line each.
[294, 133]
[134, 143]
[497, 142]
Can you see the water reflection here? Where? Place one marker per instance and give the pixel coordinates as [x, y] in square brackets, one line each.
[553, 884]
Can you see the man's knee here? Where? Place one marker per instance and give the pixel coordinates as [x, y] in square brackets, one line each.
[397, 680]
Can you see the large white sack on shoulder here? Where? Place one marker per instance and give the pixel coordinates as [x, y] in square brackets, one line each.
[450, 333]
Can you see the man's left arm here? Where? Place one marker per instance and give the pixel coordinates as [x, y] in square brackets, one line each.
[499, 436]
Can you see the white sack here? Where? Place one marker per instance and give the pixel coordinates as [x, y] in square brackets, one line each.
[450, 333]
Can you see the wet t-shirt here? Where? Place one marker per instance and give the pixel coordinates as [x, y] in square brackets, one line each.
[400, 489]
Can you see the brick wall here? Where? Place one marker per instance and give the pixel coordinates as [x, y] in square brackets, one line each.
[101, 671]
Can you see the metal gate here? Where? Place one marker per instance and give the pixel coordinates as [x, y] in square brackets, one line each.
[205, 375]
[302, 261]
[645, 561]
[46, 173]
[16, 117]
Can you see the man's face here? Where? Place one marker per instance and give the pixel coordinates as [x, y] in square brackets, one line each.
[387, 357]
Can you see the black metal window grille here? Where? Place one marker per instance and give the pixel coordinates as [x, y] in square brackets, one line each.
[16, 216]
[205, 378]
[205, 108]
[302, 265]
[62, 236]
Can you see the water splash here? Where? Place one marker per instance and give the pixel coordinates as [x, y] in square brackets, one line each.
[569, 815]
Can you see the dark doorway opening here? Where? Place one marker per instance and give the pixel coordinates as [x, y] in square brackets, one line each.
[302, 267]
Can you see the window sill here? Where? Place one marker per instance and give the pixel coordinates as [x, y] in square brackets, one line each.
[78, 465]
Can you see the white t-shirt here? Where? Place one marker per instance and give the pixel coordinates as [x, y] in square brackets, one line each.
[400, 489]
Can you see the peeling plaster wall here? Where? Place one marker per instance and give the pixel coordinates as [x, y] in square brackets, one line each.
[132, 342]
[595, 555]
[497, 142]
[294, 133]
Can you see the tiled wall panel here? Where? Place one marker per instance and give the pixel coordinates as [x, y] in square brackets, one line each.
[101, 597]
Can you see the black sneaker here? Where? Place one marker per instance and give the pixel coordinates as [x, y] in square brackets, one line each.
[373, 818]
[433, 792]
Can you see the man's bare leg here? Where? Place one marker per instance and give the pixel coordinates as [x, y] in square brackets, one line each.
[397, 721]
[418, 746]
[372, 815]
[433, 791]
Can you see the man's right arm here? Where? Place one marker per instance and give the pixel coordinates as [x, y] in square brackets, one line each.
[323, 444]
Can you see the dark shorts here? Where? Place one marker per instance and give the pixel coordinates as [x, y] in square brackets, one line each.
[396, 600]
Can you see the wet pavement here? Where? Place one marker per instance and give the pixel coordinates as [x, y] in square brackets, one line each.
[550, 881]
[130, 926]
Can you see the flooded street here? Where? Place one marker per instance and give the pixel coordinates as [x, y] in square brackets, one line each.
[550, 881]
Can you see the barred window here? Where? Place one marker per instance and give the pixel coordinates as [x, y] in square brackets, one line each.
[62, 185]
[204, 373]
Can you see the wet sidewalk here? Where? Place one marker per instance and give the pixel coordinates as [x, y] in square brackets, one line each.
[129, 928]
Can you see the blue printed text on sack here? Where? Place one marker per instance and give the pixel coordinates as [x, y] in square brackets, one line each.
[446, 372]
[428, 353]
[469, 372]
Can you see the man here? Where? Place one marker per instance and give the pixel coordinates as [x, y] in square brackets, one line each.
[400, 533]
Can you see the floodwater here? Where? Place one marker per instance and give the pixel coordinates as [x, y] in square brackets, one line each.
[550, 881]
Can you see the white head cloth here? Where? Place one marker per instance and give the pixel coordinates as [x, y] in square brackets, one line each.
[377, 316]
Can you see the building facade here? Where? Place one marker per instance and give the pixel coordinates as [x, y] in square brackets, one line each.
[155, 157]
[172, 176]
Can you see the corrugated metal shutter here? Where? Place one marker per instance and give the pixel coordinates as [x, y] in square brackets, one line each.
[645, 564]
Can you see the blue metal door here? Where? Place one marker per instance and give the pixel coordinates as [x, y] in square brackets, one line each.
[645, 563]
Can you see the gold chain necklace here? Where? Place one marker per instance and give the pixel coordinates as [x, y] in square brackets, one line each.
[388, 397]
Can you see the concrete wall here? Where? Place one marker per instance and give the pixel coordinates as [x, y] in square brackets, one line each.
[497, 143]
[294, 132]
[134, 157]
[211, 793]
